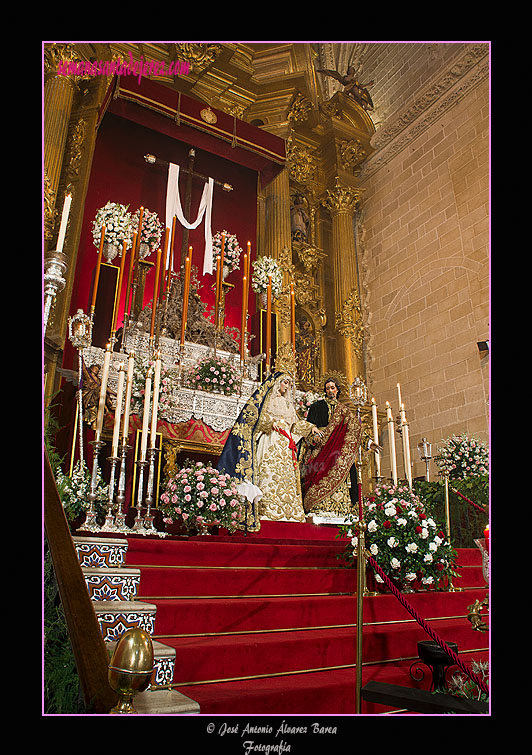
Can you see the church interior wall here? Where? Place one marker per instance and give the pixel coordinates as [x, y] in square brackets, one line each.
[426, 239]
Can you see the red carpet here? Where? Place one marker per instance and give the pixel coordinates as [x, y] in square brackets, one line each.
[266, 624]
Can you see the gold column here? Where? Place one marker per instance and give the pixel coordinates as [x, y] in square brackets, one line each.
[277, 233]
[342, 201]
[58, 98]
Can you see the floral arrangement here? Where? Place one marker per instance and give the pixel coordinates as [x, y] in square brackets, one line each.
[152, 229]
[214, 374]
[138, 387]
[462, 456]
[262, 268]
[116, 219]
[462, 686]
[74, 491]
[232, 250]
[408, 545]
[304, 402]
[200, 496]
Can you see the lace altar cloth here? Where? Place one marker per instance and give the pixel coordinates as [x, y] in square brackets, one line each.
[214, 409]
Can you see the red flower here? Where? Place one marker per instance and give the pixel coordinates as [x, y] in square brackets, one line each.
[419, 529]
[422, 515]
[387, 524]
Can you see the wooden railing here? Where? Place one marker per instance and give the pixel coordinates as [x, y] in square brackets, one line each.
[86, 638]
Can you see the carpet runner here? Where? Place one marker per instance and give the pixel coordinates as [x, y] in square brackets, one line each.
[266, 624]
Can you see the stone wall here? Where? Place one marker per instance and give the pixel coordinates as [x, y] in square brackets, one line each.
[423, 237]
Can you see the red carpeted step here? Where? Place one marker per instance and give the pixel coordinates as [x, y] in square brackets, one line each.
[190, 616]
[220, 581]
[231, 552]
[229, 656]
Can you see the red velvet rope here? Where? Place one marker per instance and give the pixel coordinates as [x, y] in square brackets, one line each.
[479, 682]
[476, 505]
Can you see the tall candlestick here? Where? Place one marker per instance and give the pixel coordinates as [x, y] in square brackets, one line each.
[118, 410]
[97, 272]
[391, 440]
[405, 435]
[293, 317]
[129, 389]
[218, 289]
[269, 324]
[155, 291]
[103, 391]
[171, 255]
[146, 415]
[155, 406]
[130, 276]
[399, 394]
[244, 309]
[186, 293]
[376, 437]
[164, 277]
[119, 291]
[64, 221]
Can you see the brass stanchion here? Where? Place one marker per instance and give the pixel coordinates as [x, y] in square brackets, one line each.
[445, 475]
[361, 570]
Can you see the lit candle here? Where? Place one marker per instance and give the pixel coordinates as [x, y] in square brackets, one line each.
[146, 415]
[391, 439]
[269, 324]
[118, 409]
[97, 272]
[487, 537]
[129, 389]
[119, 292]
[155, 290]
[376, 437]
[155, 407]
[244, 309]
[64, 221]
[103, 391]
[186, 292]
[171, 255]
[406, 446]
[293, 317]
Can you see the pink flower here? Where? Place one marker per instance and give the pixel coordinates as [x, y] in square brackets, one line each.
[188, 497]
[187, 489]
[213, 507]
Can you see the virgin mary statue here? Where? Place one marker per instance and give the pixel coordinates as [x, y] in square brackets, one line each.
[261, 449]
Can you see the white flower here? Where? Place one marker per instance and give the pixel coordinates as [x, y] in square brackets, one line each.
[410, 577]
[392, 542]
[395, 564]
[428, 558]
[433, 547]
[411, 548]
[427, 580]
[390, 510]
[373, 549]
[372, 526]
[401, 521]
[354, 542]
[412, 514]
[424, 533]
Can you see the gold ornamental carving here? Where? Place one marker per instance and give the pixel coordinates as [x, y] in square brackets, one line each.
[300, 109]
[352, 153]
[49, 205]
[348, 321]
[341, 198]
[75, 147]
[198, 54]
[301, 164]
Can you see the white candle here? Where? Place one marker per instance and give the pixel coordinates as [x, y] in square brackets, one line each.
[405, 434]
[129, 388]
[146, 415]
[391, 438]
[399, 394]
[376, 437]
[64, 221]
[156, 384]
[118, 409]
[103, 391]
